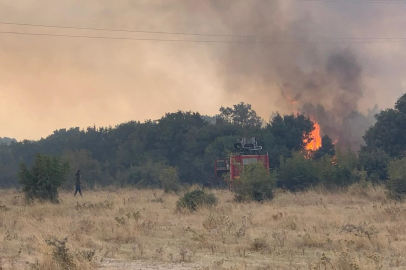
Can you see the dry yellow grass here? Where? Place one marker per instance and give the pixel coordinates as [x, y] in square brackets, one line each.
[357, 229]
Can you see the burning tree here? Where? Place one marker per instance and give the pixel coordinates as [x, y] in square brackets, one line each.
[317, 146]
[315, 139]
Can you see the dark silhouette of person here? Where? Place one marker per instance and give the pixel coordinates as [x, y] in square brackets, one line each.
[207, 185]
[78, 177]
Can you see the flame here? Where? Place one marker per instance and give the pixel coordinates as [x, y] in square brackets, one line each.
[315, 143]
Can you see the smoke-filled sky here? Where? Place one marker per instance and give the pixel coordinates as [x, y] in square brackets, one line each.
[47, 83]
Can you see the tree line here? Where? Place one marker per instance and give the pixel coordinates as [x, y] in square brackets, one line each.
[181, 148]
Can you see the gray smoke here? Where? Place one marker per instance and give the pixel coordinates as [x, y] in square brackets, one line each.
[337, 87]
[327, 86]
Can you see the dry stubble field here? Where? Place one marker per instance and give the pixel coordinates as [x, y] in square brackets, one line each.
[140, 229]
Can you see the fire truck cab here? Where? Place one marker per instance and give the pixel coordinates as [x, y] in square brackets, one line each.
[247, 152]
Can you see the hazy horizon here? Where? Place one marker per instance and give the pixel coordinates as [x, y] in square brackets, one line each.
[48, 83]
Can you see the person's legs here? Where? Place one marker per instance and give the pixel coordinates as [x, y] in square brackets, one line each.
[80, 191]
[76, 191]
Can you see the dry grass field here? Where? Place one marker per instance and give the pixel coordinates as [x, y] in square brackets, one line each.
[141, 229]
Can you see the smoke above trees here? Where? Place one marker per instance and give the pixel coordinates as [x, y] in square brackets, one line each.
[272, 55]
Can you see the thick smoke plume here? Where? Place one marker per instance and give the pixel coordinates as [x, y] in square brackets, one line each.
[327, 86]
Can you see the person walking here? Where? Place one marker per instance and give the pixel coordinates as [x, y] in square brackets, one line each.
[78, 177]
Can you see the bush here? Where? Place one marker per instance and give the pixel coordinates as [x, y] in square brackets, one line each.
[255, 183]
[152, 175]
[297, 173]
[396, 183]
[338, 172]
[45, 177]
[61, 254]
[196, 198]
[170, 180]
[300, 173]
[375, 163]
[346, 172]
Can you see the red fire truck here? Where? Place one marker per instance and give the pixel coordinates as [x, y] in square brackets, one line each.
[237, 163]
[247, 153]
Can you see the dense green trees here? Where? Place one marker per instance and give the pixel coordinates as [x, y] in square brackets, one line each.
[285, 135]
[181, 147]
[383, 155]
[241, 115]
[388, 134]
[136, 153]
[385, 141]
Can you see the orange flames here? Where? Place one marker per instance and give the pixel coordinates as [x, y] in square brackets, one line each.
[315, 143]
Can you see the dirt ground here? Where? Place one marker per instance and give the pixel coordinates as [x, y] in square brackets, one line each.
[110, 264]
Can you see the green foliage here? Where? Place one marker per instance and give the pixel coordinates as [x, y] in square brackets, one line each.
[375, 163]
[297, 173]
[400, 104]
[396, 183]
[388, 132]
[151, 175]
[44, 178]
[136, 153]
[241, 115]
[181, 148]
[255, 183]
[300, 173]
[145, 175]
[170, 179]
[90, 169]
[286, 134]
[345, 169]
[195, 199]
[339, 171]
[221, 147]
[292, 131]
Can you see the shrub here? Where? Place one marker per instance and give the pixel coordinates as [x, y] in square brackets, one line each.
[196, 198]
[338, 172]
[396, 183]
[170, 180]
[255, 183]
[45, 177]
[152, 175]
[375, 163]
[61, 254]
[297, 173]
[143, 176]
